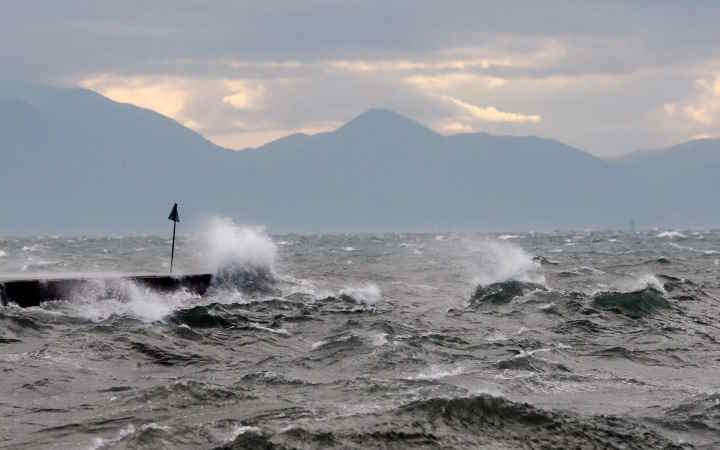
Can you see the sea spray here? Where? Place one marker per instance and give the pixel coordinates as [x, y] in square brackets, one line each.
[501, 261]
[368, 294]
[240, 257]
[640, 282]
[99, 300]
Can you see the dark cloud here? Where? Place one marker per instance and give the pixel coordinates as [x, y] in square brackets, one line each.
[47, 39]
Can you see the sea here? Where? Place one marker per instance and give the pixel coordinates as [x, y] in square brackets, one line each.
[553, 340]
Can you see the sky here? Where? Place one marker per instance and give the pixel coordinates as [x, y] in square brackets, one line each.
[608, 77]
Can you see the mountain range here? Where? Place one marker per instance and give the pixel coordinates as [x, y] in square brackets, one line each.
[75, 162]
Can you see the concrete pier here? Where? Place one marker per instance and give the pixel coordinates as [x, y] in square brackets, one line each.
[34, 291]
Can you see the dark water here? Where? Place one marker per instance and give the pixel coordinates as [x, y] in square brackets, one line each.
[610, 340]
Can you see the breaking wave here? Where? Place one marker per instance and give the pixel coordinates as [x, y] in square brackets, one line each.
[482, 421]
[635, 304]
[368, 294]
[98, 300]
[502, 292]
[671, 235]
[502, 261]
[240, 257]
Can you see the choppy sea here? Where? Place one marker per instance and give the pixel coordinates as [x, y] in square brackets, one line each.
[431, 341]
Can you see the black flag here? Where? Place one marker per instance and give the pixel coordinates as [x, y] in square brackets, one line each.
[174, 216]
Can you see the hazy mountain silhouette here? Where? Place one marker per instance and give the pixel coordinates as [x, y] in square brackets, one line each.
[685, 179]
[74, 162]
[384, 171]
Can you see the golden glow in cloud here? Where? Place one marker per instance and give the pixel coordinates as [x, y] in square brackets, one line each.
[360, 66]
[462, 59]
[450, 80]
[243, 95]
[698, 114]
[454, 127]
[243, 139]
[703, 107]
[166, 96]
[490, 113]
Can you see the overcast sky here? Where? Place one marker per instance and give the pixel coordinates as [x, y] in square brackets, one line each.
[608, 77]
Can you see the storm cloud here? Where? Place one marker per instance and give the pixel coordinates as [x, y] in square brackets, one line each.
[608, 77]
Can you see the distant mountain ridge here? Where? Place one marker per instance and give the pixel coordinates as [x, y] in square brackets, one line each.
[77, 162]
[685, 179]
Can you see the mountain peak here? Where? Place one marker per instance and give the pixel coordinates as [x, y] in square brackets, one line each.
[378, 120]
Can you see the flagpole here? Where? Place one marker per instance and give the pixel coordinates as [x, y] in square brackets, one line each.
[175, 217]
[172, 254]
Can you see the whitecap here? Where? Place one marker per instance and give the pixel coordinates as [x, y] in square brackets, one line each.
[378, 339]
[502, 261]
[637, 283]
[497, 337]
[436, 372]
[242, 429]
[123, 298]
[671, 235]
[369, 293]
[281, 331]
[99, 443]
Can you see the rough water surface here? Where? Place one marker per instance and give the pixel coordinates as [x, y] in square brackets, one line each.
[562, 340]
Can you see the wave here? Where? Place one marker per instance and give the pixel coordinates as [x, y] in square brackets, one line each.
[526, 361]
[368, 294]
[545, 261]
[579, 326]
[503, 292]
[17, 322]
[99, 300]
[240, 257]
[437, 372]
[481, 421]
[701, 412]
[659, 260]
[635, 304]
[187, 393]
[166, 357]
[671, 235]
[501, 261]
[269, 377]
[625, 353]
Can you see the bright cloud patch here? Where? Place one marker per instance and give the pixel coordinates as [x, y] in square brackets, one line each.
[490, 113]
[243, 95]
[702, 108]
[454, 80]
[166, 96]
